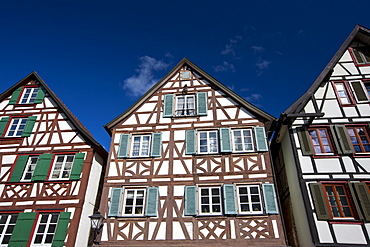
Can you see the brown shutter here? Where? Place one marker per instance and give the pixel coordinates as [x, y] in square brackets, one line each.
[319, 200]
[344, 140]
[305, 141]
[363, 197]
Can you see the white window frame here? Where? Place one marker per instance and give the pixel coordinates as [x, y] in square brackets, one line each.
[28, 95]
[249, 196]
[6, 225]
[16, 127]
[345, 94]
[141, 145]
[186, 111]
[243, 143]
[359, 50]
[49, 222]
[202, 199]
[209, 145]
[30, 167]
[64, 168]
[135, 201]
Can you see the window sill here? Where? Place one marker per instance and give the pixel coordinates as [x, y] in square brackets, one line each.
[360, 155]
[20, 105]
[323, 156]
[351, 221]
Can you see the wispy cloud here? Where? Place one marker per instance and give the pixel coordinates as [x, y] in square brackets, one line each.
[263, 64]
[254, 99]
[230, 47]
[144, 79]
[257, 49]
[224, 67]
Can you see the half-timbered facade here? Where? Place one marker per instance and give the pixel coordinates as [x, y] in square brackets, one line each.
[47, 162]
[189, 165]
[322, 153]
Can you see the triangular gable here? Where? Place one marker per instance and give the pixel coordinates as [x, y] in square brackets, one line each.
[260, 114]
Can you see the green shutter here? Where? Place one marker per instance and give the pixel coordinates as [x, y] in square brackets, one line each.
[123, 146]
[319, 201]
[42, 167]
[77, 166]
[359, 91]
[22, 230]
[305, 141]
[190, 200]
[229, 199]
[151, 201]
[168, 105]
[14, 99]
[225, 140]
[3, 123]
[344, 140]
[363, 197]
[19, 168]
[115, 202]
[61, 231]
[29, 126]
[202, 109]
[190, 142]
[259, 132]
[269, 196]
[40, 96]
[156, 145]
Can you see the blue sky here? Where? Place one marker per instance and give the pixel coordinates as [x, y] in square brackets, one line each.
[99, 57]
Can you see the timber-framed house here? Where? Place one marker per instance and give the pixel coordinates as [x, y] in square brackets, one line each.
[321, 153]
[47, 160]
[189, 165]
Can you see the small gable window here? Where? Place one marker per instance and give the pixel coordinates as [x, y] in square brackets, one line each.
[184, 105]
[27, 95]
[13, 127]
[361, 55]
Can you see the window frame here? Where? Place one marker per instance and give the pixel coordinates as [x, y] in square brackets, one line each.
[320, 138]
[124, 202]
[339, 205]
[347, 90]
[29, 165]
[17, 127]
[252, 143]
[63, 165]
[210, 203]
[360, 52]
[141, 143]
[208, 144]
[185, 109]
[46, 232]
[30, 99]
[10, 221]
[250, 202]
[358, 138]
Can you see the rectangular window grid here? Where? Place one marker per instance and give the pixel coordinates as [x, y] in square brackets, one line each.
[7, 224]
[140, 146]
[338, 201]
[344, 98]
[30, 168]
[45, 230]
[134, 202]
[210, 200]
[242, 140]
[185, 105]
[359, 139]
[62, 166]
[249, 198]
[362, 55]
[208, 142]
[16, 127]
[320, 140]
[29, 95]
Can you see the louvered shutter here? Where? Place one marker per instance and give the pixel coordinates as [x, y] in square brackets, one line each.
[61, 230]
[77, 166]
[29, 126]
[305, 141]
[123, 146]
[168, 105]
[225, 140]
[40, 96]
[363, 197]
[202, 108]
[3, 123]
[261, 142]
[19, 168]
[156, 145]
[359, 91]
[336, 142]
[190, 208]
[115, 202]
[22, 230]
[269, 196]
[319, 200]
[344, 140]
[190, 142]
[14, 99]
[229, 199]
[42, 167]
[151, 202]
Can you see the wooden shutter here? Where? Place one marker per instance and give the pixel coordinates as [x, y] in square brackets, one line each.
[336, 142]
[115, 202]
[22, 230]
[305, 141]
[269, 196]
[29, 126]
[156, 145]
[40, 96]
[225, 140]
[168, 105]
[14, 99]
[19, 168]
[123, 146]
[261, 142]
[343, 138]
[363, 197]
[190, 142]
[42, 167]
[319, 201]
[151, 201]
[202, 108]
[77, 166]
[190, 200]
[3, 123]
[61, 231]
[229, 199]
[359, 91]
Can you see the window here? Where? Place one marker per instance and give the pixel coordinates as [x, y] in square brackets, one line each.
[7, 223]
[45, 230]
[208, 142]
[62, 166]
[242, 140]
[134, 200]
[30, 168]
[361, 55]
[359, 138]
[338, 201]
[11, 127]
[140, 146]
[320, 140]
[342, 93]
[16, 127]
[29, 95]
[185, 105]
[351, 92]
[210, 200]
[249, 199]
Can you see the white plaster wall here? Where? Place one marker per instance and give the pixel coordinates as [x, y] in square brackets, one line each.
[328, 165]
[349, 234]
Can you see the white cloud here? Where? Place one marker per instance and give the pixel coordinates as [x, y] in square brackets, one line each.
[224, 67]
[263, 64]
[254, 98]
[140, 83]
[257, 49]
[230, 48]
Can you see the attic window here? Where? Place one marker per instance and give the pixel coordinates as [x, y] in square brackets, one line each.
[185, 75]
[361, 55]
